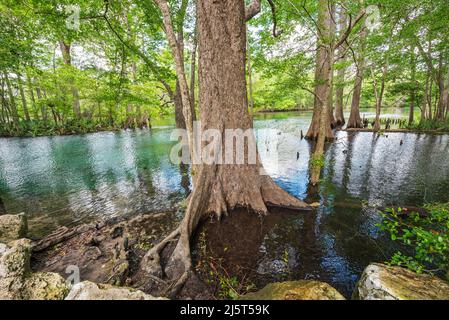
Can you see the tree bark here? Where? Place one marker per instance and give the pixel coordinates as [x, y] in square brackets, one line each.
[43, 105]
[438, 77]
[66, 55]
[379, 94]
[33, 99]
[323, 68]
[178, 55]
[12, 100]
[323, 79]
[355, 121]
[219, 188]
[177, 101]
[411, 114]
[250, 79]
[23, 97]
[340, 83]
[193, 69]
[332, 28]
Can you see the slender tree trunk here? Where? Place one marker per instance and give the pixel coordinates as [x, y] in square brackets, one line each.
[332, 27]
[193, 70]
[43, 105]
[443, 89]
[441, 100]
[223, 100]
[323, 69]
[355, 121]
[65, 49]
[429, 99]
[177, 52]
[425, 105]
[179, 115]
[250, 79]
[340, 83]
[23, 97]
[379, 94]
[413, 90]
[446, 96]
[323, 76]
[4, 105]
[12, 100]
[33, 99]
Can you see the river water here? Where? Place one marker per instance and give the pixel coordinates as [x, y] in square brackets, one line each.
[64, 181]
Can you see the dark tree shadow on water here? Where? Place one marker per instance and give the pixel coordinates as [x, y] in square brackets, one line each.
[257, 250]
[2, 207]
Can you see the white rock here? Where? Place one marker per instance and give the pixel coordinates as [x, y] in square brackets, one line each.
[87, 290]
[382, 282]
[13, 227]
[17, 282]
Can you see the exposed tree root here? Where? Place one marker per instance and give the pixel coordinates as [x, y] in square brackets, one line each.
[61, 235]
[214, 197]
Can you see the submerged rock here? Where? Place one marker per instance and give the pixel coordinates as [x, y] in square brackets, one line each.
[382, 282]
[17, 282]
[87, 290]
[13, 227]
[295, 290]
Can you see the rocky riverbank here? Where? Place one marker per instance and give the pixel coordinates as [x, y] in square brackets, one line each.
[105, 256]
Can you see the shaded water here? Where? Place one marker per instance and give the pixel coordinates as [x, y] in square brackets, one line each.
[69, 180]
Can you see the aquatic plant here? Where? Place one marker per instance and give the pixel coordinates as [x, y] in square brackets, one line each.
[424, 237]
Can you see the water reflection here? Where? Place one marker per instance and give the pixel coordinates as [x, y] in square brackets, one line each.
[69, 180]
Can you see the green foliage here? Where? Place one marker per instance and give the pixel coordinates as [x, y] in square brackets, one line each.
[117, 84]
[213, 272]
[425, 238]
[317, 161]
[430, 125]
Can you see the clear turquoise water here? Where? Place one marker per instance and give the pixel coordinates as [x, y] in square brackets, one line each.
[64, 181]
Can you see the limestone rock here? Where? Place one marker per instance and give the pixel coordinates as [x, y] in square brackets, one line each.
[17, 282]
[13, 227]
[45, 286]
[87, 290]
[382, 282]
[14, 266]
[295, 290]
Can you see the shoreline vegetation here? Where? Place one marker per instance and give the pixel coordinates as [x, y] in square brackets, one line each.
[71, 127]
[38, 129]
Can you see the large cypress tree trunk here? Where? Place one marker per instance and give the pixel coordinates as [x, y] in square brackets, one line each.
[219, 188]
